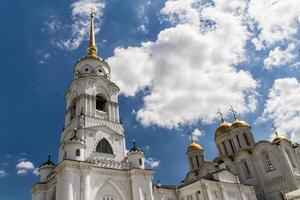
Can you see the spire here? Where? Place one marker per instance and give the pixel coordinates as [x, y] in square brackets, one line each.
[92, 50]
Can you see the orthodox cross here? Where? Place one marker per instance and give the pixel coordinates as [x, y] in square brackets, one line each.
[221, 114]
[233, 112]
[275, 128]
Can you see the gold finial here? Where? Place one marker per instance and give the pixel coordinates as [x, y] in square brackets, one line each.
[233, 112]
[92, 50]
[221, 115]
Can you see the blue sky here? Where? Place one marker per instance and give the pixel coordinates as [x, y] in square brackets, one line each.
[200, 55]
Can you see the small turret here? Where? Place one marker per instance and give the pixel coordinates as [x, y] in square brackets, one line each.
[45, 169]
[195, 155]
[136, 157]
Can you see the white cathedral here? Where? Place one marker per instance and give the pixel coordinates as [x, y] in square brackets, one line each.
[95, 165]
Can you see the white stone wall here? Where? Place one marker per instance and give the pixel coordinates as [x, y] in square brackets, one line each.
[75, 180]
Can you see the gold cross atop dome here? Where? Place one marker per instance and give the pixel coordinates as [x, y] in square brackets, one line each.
[275, 129]
[92, 50]
[233, 112]
[221, 115]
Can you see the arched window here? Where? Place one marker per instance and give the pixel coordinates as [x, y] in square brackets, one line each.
[77, 152]
[73, 109]
[100, 103]
[104, 147]
[246, 169]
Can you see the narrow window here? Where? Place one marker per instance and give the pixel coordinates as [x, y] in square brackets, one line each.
[238, 140]
[100, 103]
[246, 139]
[226, 152]
[141, 162]
[246, 169]
[77, 152]
[104, 147]
[269, 163]
[192, 162]
[197, 160]
[232, 147]
[220, 152]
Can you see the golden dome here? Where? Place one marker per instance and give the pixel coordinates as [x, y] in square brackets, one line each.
[280, 137]
[223, 128]
[239, 123]
[194, 146]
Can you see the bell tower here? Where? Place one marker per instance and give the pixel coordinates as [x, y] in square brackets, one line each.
[92, 111]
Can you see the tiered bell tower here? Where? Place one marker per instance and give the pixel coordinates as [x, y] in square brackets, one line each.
[92, 127]
[93, 162]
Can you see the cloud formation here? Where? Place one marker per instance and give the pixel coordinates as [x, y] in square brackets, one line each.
[79, 29]
[196, 134]
[24, 166]
[3, 173]
[283, 107]
[152, 163]
[190, 69]
[279, 57]
[277, 21]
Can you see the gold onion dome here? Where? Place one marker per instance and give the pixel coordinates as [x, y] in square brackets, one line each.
[239, 123]
[194, 146]
[223, 128]
[280, 137]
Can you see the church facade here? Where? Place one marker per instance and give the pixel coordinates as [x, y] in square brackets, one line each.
[93, 163]
[272, 168]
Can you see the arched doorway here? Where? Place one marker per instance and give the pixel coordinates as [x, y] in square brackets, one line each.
[109, 191]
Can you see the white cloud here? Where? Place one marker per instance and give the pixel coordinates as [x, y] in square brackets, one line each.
[277, 20]
[279, 57]
[43, 58]
[196, 134]
[80, 28]
[283, 107]
[3, 173]
[189, 70]
[152, 163]
[24, 166]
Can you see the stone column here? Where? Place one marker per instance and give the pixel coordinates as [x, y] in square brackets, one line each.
[86, 185]
[205, 192]
[150, 190]
[241, 192]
